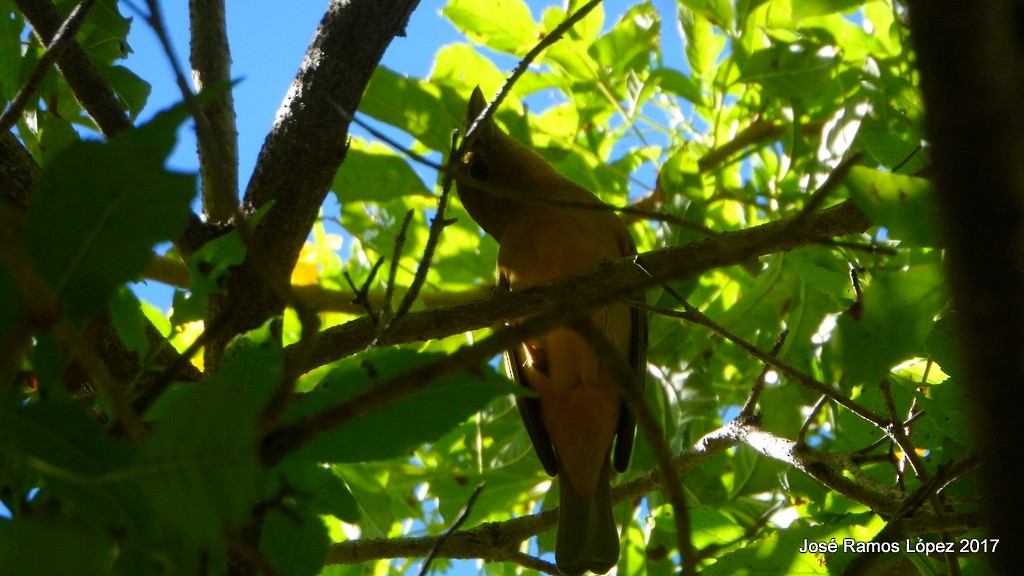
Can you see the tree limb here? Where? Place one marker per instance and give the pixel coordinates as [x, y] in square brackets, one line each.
[971, 59]
[306, 146]
[595, 287]
[90, 88]
[218, 149]
[500, 541]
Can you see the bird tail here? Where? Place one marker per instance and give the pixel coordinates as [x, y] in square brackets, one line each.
[587, 536]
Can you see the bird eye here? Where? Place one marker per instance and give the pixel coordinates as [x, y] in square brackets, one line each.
[478, 169]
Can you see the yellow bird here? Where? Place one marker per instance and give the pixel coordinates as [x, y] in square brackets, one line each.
[579, 409]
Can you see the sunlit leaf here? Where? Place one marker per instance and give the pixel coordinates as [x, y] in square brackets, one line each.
[899, 311]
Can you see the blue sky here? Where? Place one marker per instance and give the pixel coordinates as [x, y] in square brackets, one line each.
[268, 40]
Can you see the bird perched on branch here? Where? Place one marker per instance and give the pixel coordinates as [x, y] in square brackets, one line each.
[547, 227]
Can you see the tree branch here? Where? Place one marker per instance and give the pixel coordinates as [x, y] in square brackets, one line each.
[305, 147]
[218, 149]
[595, 287]
[90, 88]
[971, 60]
[54, 48]
[500, 541]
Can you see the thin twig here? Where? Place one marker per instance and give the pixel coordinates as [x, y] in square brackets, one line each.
[886, 438]
[835, 178]
[396, 257]
[437, 225]
[361, 294]
[801, 437]
[459, 521]
[898, 433]
[697, 317]
[755, 393]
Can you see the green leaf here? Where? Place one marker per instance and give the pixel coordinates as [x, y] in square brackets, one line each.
[208, 267]
[394, 429]
[129, 321]
[203, 453]
[703, 45]
[29, 547]
[674, 82]
[373, 172]
[323, 491]
[943, 347]
[132, 90]
[788, 71]
[779, 553]
[893, 141]
[898, 314]
[11, 28]
[903, 204]
[631, 44]
[806, 8]
[71, 458]
[10, 302]
[100, 208]
[948, 420]
[413, 105]
[819, 269]
[504, 25]
[54, 135]
[294, 543]
[460, 68]
[104, 33]
[718, 12]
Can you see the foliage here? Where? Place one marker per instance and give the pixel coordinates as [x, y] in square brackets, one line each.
[738, 128]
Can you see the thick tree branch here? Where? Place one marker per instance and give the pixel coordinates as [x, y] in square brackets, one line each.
[604, 284]
[306, 146]
[218, 149]
[18, 174]
[971, 58]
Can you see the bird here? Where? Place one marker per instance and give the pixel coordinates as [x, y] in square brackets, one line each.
[546, 227]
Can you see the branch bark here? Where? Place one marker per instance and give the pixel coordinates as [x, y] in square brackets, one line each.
[218, 147]
[971, 59]
[89, 86]
[603, 284]
[304, 150]
[499, 541]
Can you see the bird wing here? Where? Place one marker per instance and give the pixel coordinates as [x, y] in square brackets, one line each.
[529, 407]
[626, 429]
